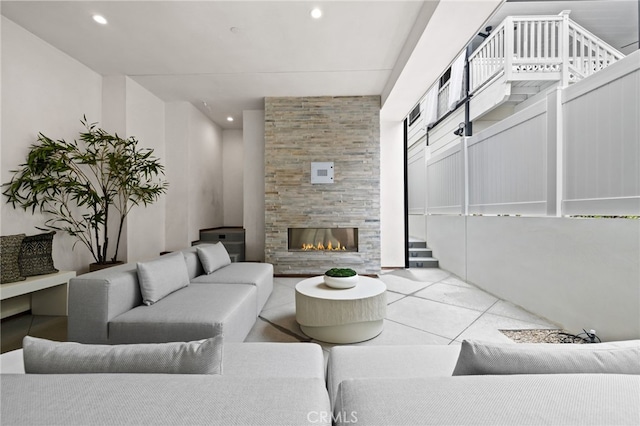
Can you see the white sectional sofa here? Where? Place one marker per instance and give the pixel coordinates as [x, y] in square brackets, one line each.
[107, 306]
[260, 384]
[284, 384]
[486, 384]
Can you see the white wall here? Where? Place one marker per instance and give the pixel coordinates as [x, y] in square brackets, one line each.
[177, 165]
[194, 171]
[232, 170]
[449, 234]
[43, 90]
[578, 273]
[392, 194]
[131, 110]
[114, 120]
[253, 191]
[145, 121]
[205, 174]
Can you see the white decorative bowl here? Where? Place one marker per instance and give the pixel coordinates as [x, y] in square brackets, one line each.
[341, 282]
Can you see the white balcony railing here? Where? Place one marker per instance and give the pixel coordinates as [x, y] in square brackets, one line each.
[539, 48]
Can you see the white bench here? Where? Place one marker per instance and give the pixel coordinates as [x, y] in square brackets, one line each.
[48, 294]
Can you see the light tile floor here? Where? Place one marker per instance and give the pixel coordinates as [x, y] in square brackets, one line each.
[425, 306]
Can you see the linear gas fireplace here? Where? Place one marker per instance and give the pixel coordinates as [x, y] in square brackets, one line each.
[323, 239]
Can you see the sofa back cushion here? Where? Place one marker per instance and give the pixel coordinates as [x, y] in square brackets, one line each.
[548, 358]
[213, 257]
[48, 357]
[194, 267]
[162, 276]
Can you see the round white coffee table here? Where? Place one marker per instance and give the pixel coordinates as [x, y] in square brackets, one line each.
[341, 315]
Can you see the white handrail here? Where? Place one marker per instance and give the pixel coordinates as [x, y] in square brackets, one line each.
[587, 53]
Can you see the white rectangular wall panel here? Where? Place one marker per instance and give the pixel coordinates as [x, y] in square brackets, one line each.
[602, 142]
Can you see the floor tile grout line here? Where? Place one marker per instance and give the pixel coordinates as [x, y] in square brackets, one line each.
[514, 317]
[475, 320]
[448, 304]
[419, 329]
[458, 306]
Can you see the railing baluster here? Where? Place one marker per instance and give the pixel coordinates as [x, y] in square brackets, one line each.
[539, 38]
[590, 66]
[553, 50]
[500, 38]
[581, 52]
[493, 55]
[532, 39]
[525, 47]
[545, 50]
[515, 32]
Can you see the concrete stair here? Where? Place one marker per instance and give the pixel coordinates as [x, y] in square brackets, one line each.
[420, 256]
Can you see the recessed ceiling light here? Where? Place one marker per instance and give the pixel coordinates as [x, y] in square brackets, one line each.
[100, 19]
[316, 13]
[229, 118]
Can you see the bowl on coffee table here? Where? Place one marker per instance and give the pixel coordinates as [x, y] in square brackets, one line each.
[341, 278]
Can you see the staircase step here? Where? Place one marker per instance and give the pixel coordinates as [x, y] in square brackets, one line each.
[423, 262]
[417, 244]
[420, 252]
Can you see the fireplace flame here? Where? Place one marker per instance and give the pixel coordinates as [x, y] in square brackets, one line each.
[321, 246]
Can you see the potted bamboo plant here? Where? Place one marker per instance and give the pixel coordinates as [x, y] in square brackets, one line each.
[80, 184]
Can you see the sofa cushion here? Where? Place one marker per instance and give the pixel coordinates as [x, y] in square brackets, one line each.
[193, 313]
[48, 357]
[162, 276]
[246, 359]
[253, 273]
[194, 267]
[537, 399]
[10, 249]
[398, 362]
[548, 358]
[270, 359]
[36, 255]
[162, 399]
[213, 257]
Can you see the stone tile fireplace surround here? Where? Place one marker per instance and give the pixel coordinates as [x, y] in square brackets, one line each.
[342, 130]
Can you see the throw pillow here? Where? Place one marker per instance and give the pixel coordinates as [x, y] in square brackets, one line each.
[36, 255]
[213, 257]
[48, 357]
[548, 358]
[162, 276]
[9, 254]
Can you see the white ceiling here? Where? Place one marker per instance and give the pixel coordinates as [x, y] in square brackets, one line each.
[187, 51]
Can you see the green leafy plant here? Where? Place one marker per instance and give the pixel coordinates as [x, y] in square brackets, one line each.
[340, 272]
[79, 184]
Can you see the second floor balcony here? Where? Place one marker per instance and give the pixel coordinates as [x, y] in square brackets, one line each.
[539, 48]
[523, 56]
